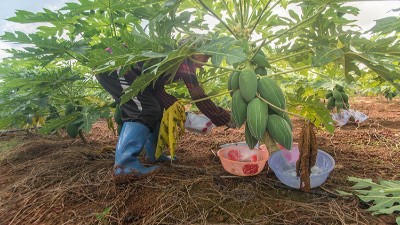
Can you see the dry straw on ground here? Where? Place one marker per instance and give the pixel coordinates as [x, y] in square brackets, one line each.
[48, 180]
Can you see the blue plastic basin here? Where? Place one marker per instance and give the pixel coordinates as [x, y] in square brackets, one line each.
[285, 170]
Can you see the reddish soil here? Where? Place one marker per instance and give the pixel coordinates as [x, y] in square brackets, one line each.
[57, 180]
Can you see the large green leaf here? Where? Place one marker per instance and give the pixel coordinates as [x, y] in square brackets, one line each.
[224, 48]
[325, 55]
[385, 195]
[22, 16]
[387, 25]
[58, 123]
[168, 67]
[388, 72]
[311, 108]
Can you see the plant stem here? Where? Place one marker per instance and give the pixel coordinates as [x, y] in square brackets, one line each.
[228, 11]
[289, 56]
[238, 14]
[391, 190]
[246, 11]
[72, 56]
[289, 71]
[114, 32]
[262, 44]
[253, 11]
[260, 16]
[210, 97]
[211, 65]
[214, 77]
[282, 110]
[216, 16]
[241, 13]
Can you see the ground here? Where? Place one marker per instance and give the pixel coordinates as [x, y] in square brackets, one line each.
[57, 180]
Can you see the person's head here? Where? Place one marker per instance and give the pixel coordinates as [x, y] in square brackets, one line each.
[201, 58]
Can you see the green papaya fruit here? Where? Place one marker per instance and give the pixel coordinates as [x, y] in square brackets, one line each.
[238, 108]
[248, 84]
[328, 95]
[337, 95]
[69, 109]
[250, 140]
[270, 91]
[331, 103]
[233, 81]
[257, 118]
[73, 130]
[280, 131]
[260, 60]
[261, 71]
[118, 115]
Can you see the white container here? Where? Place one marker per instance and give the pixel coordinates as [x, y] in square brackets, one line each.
[198, 123]
[284, 169]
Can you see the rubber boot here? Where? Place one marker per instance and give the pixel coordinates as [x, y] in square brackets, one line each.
[132, 138]
[150, 148]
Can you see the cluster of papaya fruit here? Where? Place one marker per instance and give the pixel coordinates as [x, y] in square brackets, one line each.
[389, 95]
[337, 98]
[74, 127]
[260, 102]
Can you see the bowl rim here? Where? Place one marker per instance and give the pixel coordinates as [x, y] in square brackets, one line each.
[319, 150]
[239, 143]
[241, 162]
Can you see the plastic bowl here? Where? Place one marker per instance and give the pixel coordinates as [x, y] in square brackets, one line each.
[291, 155]
[286, 171]
[239, 160]
[240, 143]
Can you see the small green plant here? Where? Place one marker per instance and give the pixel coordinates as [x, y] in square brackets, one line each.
[385, 196]
[389, 95]
[101, 216]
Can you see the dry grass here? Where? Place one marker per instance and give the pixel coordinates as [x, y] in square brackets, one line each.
[48, 180]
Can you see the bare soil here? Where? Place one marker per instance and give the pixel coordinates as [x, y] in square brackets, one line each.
[57, 180]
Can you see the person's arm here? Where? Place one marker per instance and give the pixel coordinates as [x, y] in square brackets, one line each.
[164, 99]
[217, 115]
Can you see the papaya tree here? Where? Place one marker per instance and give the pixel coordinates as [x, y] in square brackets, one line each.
[301, 45]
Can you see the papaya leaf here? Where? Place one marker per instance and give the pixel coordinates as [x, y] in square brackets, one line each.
[385, 195]
[325, 55]
[312, 108]
[388, 72]
[349, 68]
[58, 123]
[169, 66]
[386, 25]
[87, 119]
[362, 183]
[18, 37]
[224, 48]
[22, 16]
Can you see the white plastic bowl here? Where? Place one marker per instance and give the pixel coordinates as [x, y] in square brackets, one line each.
[281, 166]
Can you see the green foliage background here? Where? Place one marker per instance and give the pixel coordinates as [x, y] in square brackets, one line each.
[310, 50]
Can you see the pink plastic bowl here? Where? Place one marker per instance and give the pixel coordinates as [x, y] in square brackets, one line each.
[241, 161]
